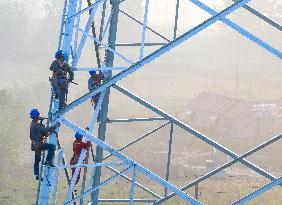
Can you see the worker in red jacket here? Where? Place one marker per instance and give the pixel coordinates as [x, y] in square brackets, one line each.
[78, 145]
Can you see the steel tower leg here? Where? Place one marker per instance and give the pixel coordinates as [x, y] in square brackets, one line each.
[67, 39]
[109, 60]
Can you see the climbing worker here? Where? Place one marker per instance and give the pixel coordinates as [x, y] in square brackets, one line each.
[38, 135]
[93, 82]
[59, 79]
[78, 145]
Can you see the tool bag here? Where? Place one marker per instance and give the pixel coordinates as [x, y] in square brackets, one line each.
[62, 83]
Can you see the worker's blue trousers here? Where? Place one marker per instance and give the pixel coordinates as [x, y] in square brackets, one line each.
[50, 156]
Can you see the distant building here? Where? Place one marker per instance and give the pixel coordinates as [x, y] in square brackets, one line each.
[231, 117]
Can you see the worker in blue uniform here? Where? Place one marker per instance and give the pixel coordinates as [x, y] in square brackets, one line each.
[94, 81]
[38, 135]
[60, 78]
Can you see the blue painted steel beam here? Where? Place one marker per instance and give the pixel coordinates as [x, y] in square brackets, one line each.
[102, 19]
[132, 190]
[102, 35]
[124, 158]
[76, 32]
[88, 186]
[137, 119]
[176, 19]
[67, 35]
[55, 179]
[169, 155]
[259, 191]
[154, 55]
[193, 132]
[105, 164]
[126, 200]
[109, 62]
[240, 30]
[99, 68]
[138, 44]
[144, 29]
[85, 32]
[62, 24]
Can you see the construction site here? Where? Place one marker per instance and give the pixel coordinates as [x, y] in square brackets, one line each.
[141, 102]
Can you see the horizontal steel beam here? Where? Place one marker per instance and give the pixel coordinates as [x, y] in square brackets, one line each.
[99, 68]
[136, 119]
[217, 170]
[125, 200]
[152, 56]
[106, 164]
[239, 29]
[193, 132]
[259, 191]
[138, 44]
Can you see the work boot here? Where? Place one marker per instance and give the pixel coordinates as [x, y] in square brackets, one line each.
[37, 178]
[62, 106]
[50, 164]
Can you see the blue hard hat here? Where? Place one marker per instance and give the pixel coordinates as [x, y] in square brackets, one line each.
[78, 136]
[59, 53]
[92, 72]
[34, 113]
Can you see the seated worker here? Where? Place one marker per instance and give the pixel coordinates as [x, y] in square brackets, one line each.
[78, 145]
[59, 79]
[38, 134]
[94, 81]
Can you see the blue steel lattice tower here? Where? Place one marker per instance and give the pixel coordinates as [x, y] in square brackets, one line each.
[72, 41]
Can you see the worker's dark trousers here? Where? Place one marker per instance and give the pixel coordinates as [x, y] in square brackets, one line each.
[95, 100]
[51, 153]
[62, 97]
[60, 94]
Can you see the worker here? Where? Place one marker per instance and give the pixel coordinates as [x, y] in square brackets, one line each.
[94, 81]
[78, 145]
[38, 135]
[59, 79]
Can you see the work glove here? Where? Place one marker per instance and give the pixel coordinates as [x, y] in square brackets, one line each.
[53, 128]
